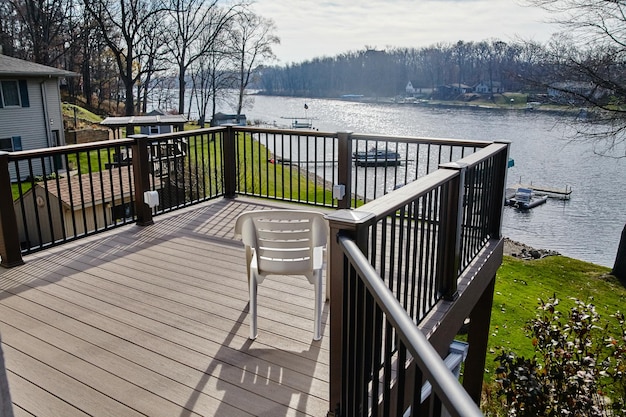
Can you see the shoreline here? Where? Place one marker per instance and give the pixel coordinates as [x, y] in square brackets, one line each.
[523, 251]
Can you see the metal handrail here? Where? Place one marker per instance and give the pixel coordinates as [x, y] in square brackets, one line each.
[446, 386]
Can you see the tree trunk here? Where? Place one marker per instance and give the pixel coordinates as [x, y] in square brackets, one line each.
[181, 90]
[129, 101]
[619, 269]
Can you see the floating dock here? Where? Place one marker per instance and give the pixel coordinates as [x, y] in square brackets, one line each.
[540, 190]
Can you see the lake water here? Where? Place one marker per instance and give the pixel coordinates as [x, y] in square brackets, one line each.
[587, 227]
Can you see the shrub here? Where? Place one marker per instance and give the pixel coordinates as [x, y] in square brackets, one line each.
[577, 370]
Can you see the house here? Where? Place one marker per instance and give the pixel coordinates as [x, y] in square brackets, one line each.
[409, 89]
[485, 87]
[576, 92]
[158, 128]
[64, 201]
[412, 90]
[221, 119]
[451, 91]
[30, 108]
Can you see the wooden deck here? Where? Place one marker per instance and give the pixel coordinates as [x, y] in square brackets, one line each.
[153, 321]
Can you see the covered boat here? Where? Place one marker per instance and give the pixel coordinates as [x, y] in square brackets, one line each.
[376, 157]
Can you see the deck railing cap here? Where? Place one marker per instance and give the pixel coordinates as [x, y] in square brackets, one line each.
[454, 165]
[350, 217]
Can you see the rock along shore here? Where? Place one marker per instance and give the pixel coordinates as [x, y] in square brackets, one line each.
[523, 251]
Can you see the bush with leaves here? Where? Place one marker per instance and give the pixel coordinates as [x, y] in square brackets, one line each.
[578, 369]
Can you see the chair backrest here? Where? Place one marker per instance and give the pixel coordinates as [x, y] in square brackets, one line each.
[284, 240]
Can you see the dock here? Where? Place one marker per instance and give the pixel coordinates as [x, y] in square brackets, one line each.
[540, 190]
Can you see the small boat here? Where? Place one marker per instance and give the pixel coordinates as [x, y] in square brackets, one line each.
[376, 158]
[525, 199]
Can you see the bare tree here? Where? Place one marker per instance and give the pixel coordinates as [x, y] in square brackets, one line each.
[212, 77]
[252, 40]
[152, 59]
[594, 67]
[45, 26]
[194, 27]
[122, 24]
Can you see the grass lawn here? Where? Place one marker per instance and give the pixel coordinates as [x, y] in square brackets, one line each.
[519, 286]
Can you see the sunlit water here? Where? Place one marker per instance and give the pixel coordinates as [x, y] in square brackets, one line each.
[587, 227]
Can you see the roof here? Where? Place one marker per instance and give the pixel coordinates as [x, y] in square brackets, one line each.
[224, 116]
[107, 186]
[14, 67]
[153, 120]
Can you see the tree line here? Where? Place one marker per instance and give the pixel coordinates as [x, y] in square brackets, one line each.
[129, 52]
[509, 66]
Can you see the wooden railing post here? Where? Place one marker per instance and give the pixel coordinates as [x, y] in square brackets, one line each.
[230, 161]
[355, 224]
[141, 177]
[10, 250]
[451, 222]
[344, 168]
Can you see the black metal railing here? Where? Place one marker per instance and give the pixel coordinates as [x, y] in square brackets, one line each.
[65, 193]
[98, 188]
[420, 210]
[419, 240]
[186, 168]
[380, 338]
[383, 163]
[287, 165]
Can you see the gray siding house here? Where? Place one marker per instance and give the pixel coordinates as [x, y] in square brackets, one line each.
[30, 107]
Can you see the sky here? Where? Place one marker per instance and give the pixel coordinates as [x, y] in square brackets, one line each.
[318, 28]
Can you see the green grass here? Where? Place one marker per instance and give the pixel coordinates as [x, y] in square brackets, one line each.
[519, 286]
[275, 180]
[81, 113]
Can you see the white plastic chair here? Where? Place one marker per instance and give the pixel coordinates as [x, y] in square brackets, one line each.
[283, 242]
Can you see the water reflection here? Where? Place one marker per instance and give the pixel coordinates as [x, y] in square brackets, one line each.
[588, 227]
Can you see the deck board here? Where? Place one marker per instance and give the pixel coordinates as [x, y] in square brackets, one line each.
[153, 321]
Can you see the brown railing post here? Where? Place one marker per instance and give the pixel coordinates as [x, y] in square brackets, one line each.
[141, 177]
[344, 168]
[477, 339]
[451, 221]
[230, 161]
[498, 192]
[355, 224]
[9, 236]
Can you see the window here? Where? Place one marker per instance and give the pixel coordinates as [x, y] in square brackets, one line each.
[10, 93]
[14, 93]
[11, 144]
[6, 145]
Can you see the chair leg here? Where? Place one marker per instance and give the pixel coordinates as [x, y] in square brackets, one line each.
[318, 306]
[253, 307]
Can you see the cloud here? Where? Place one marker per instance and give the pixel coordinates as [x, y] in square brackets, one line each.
[314, 29]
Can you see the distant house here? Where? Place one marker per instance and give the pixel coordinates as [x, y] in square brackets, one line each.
[575, 92]
[409, 89]
[451, 91]
[221, 119]
[494, 87]
[412, 89]
[30, 109]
